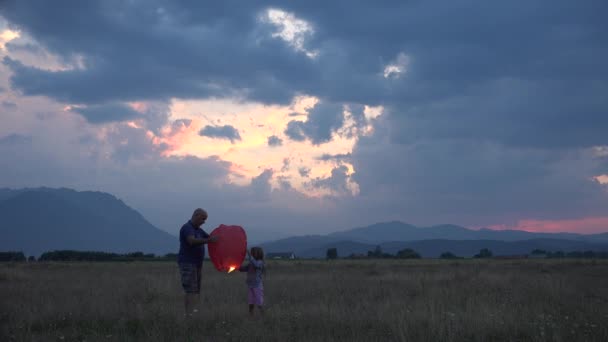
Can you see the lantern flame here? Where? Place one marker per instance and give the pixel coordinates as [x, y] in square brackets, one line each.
[232, 268]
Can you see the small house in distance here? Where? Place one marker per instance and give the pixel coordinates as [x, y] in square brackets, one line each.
[281, 255]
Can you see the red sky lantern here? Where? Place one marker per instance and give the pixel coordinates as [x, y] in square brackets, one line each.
[228, 252]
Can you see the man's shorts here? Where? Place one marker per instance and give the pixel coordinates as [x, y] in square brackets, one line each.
[256, 296]
[191, 277]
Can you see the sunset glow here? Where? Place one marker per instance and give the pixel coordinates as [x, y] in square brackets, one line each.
[602, 179]
[583, 225]
[6, 36]
[252, 154]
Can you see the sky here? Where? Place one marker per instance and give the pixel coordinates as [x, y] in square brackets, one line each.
[309, 117]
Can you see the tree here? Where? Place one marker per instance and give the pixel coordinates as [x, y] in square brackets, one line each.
[31, 258]
[136, 255]
[558, 254]
[448, 255]
[377, 253]
[12, 256]
[408, 253]
[589, 254]
[332, 253]
[484, 253]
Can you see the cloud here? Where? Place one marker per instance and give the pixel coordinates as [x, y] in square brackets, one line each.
[337, 182]
[304, 171]
[475, 183]
[27, 47]
[481, 123]
[295, 130]
[335, 157]
[322, 121]
[128, 143]
[14, 139]
[9, 105]
[98, 114]
[291, 29]
[273, 140]
[457, 83]
[260, 185]
[156, 55]
[221, 132]
[286, 163]
[504, 111]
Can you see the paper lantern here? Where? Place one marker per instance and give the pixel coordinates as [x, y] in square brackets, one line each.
[228, 252]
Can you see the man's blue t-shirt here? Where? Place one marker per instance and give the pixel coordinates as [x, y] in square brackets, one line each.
[188, 253]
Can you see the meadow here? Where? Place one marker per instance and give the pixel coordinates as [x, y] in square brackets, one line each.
[338, 300]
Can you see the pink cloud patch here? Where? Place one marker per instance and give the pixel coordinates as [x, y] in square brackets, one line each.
[583, 225]
[172, 137]
[139, 106]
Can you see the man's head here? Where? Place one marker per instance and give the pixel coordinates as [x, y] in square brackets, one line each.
[199, 216]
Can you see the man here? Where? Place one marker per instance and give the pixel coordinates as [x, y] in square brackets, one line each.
[190, 258]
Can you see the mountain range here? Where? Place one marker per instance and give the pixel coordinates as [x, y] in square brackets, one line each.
[44, 219]
[432, 241]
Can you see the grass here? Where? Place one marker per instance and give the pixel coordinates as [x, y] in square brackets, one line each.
[341, 300]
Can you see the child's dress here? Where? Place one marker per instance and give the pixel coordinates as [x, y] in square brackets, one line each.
[255, 284]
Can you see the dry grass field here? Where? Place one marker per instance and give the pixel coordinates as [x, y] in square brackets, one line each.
[341, 300]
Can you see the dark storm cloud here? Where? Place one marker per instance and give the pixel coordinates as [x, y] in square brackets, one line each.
[460, 53]
[221, 132]
[106, 113]
[154, 50]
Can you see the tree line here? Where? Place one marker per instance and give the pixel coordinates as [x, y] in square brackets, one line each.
[408, 253]
[72, 255]
[332, 253]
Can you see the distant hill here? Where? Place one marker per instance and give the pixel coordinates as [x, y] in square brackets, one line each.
[399, 231]
[434, 240]
[43, 219]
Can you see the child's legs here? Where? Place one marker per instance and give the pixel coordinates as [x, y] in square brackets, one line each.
[250, 299]
[255, 297]
[258, 295]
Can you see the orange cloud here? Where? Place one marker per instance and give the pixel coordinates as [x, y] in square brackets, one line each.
[582, 225]
[174, 136]
[602, 179]
[256, 123]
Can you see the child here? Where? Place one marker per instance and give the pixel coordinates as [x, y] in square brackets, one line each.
[255, 273]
